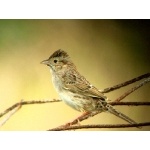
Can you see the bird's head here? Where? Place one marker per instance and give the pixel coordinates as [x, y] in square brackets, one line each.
[58, 60]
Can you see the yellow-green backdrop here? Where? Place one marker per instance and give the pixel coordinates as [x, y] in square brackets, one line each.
[106, 52]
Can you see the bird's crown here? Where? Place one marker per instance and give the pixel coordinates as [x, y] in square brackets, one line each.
[59, 53]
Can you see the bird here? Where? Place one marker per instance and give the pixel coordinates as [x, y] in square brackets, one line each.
[75, 90]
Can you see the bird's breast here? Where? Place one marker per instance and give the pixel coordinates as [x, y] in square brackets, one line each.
[57, 83]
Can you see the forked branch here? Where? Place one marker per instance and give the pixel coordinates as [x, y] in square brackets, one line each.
[67, 126]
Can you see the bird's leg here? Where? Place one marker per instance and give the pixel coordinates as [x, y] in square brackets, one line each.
[77, 120]
[80, 118]
[84, 116]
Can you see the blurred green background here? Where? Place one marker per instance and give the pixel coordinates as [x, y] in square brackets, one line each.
[106, 52]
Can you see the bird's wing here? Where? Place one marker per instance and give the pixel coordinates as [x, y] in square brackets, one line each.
[78, 84]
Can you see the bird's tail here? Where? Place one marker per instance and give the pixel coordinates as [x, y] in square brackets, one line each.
[120, 115]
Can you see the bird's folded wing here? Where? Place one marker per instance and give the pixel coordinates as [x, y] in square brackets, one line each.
[78, 84]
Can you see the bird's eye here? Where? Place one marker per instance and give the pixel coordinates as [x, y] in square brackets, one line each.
[55, 61]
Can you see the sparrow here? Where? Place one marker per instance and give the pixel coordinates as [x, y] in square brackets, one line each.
[75, 90]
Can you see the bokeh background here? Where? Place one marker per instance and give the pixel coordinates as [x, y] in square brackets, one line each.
[106, 52]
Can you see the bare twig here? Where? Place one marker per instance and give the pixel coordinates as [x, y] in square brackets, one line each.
[101, 126]
[11, 113]
[132, 90]
[115, 87]
[27, 103]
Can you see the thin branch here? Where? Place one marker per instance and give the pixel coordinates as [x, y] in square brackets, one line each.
[132, 90]
[115, 87]
[27, 103]
[11, 113]
[101, 126]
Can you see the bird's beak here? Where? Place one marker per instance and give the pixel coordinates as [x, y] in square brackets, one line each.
[45, 62]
